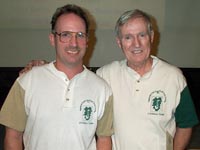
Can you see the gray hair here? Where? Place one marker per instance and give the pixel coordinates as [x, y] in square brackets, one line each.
[126, 16]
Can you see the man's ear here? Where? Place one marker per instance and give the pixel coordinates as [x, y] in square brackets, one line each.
[52, 39]
[87, 41]
[152, 36]
[118, 42]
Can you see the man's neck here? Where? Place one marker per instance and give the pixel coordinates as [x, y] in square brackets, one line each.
[70, 71]
[144, 67]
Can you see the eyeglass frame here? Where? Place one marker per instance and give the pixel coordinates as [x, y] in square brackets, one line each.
[79, 36]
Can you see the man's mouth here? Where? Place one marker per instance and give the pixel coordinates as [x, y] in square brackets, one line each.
[137, 51]
[73, 52]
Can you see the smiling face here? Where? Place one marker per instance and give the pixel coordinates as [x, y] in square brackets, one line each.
[135, 41]
[70, 53]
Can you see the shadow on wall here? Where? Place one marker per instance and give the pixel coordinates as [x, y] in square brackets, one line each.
[156, 41]
[2, 134]
[91, 39]
[90, 48]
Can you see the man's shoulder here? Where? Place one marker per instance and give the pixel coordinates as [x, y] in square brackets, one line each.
[167, 67]
[112, 66]
[96, 81]
[34, 73]
[94, 78]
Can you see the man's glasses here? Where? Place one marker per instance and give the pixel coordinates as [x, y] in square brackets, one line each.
[66, 36]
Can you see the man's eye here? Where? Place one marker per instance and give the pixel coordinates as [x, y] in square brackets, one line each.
[81, 35]
[66, 34]
[142, 34]
[128, 37]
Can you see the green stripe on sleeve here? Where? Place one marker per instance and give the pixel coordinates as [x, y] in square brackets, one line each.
[185, 113]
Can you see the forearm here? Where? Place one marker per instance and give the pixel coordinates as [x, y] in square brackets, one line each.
[104, 143]
[182, 138]
[13, 140]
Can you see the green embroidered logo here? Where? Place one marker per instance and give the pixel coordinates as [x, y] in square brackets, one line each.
[87, 113]
[87, 109]
[156, 101]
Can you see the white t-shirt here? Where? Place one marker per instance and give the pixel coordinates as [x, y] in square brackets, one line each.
[61, 114]
[144, 107]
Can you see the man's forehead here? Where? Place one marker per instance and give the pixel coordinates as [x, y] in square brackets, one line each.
[71, 22]
[134, 26]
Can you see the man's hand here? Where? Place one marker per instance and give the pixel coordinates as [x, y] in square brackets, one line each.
[31, 64]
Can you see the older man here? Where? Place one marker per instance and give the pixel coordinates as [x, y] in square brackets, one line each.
[153, 109]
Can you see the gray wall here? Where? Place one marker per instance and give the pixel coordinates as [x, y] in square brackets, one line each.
[25, 25]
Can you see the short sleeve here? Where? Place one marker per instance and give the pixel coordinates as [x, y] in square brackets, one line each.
[13, 111]
[185, 113]
[105, 124]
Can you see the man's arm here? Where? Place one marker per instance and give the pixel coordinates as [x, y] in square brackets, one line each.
[104, 143]
[13, 140]
[182, 138]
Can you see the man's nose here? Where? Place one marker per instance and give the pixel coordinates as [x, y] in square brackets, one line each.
[73, 40]
[137, 42]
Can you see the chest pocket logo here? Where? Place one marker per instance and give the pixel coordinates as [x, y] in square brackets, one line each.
[87, 108]
[156, 102]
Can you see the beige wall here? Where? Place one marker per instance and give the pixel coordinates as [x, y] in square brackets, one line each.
[24, 28]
